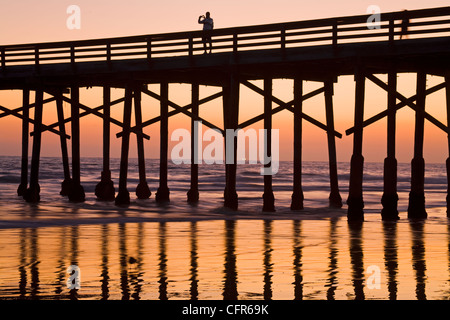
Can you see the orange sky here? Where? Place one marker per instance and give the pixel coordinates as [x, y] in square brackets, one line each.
[40, 21]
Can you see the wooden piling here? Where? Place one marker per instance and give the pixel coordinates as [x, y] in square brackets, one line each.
[193, 194]
[25, 131]
[416, 208]
[162, 194]
[390, 197]
[123, 196]
[355, 197]
[447, 162]
[335, 200]
[268, 197]
[76, 192]
[32, 193]
[231, 113]
[66, 185]
[297, 194]
[142, 189]
[105, 188]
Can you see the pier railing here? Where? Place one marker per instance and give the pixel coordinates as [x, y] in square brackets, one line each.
[424, 23]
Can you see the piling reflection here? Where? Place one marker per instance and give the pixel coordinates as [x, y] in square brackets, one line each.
[34, 262]
[418, 257]
[356, 258]
[74, 251]
[104, 277]
[194, 262]
[136, 264]
[22, 264]
[61, 265]
[230, 291]
[42, 257]
[391, 257]
[298, 278]
[162, 262]
[267, 260]
[332, 265]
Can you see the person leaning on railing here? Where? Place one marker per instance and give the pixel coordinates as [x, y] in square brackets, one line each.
[208, 25]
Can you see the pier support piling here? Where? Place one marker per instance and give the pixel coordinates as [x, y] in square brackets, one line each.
[268, 197]
[193, 194]
[389, 199]
[355, 197]
[231, 115]
[297, 194]
[32, 193]
[335, 200]
[162, 194]
[67, 184]
[416, 208]
[142, 189]
[105, 188]
[76, 192]
[123, 196]
[25, 131]
[447, 163]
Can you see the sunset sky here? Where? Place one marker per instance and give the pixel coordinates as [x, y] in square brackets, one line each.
[42, 21]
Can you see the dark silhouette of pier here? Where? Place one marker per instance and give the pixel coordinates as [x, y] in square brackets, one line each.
[315, 50]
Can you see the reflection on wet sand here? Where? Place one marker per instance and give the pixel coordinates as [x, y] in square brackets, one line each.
[332, 257]
[267, 260]
[142, 250]
[418, 257]
[391, 257]
[230, 274]
[356, 258]
[298, 286]
[104, 277]
[162, 262]
[194, 264]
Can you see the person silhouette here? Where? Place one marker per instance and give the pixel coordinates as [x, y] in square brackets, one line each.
[208, 25]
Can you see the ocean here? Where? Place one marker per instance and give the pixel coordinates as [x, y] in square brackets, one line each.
[150, 251]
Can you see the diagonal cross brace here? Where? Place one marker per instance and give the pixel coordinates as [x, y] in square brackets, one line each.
[31, 105]
[18, 115]
[112, 120]
[175, 112]
[83, 114]
[404, 102]
[288, 106]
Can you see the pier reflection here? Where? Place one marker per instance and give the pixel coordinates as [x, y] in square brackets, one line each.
[332, 264]
[162, 262]
[391, 257]
[194, 262]
[356, 258]
[132, 261]
[104, 277]
[418, 258]
[298, 285]
[230, 291]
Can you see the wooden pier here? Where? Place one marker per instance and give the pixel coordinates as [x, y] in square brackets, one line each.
[315, 50]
